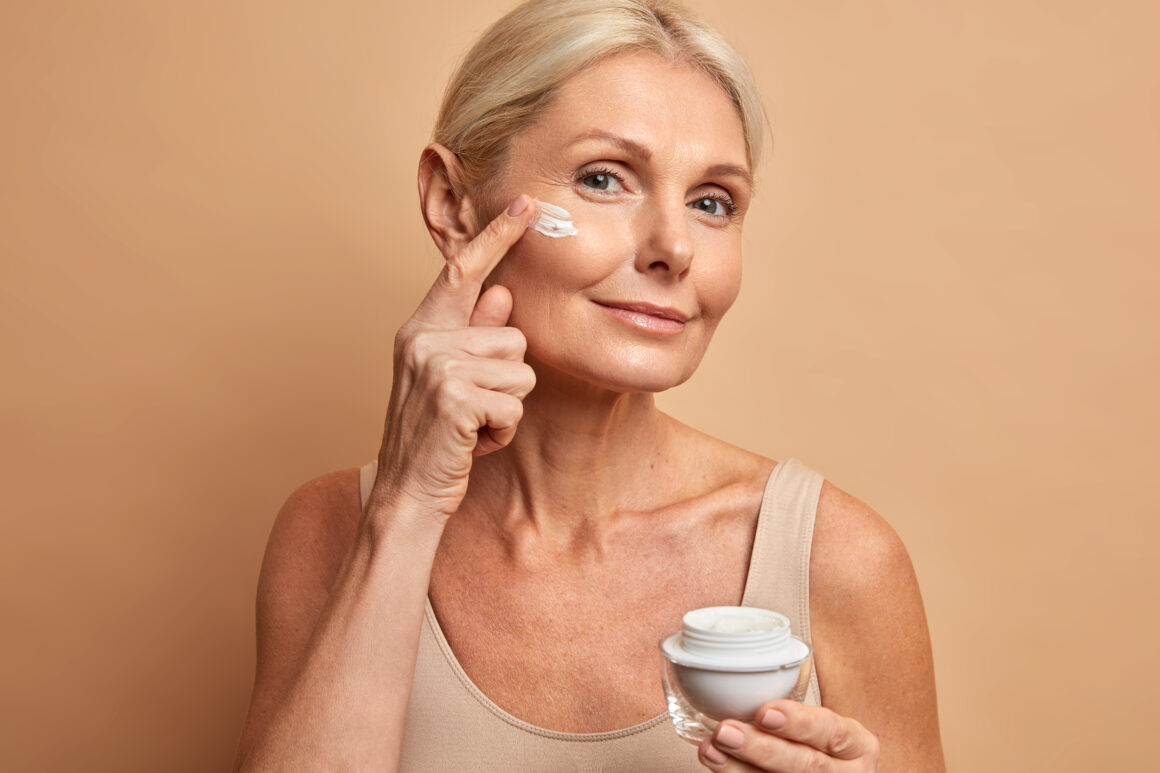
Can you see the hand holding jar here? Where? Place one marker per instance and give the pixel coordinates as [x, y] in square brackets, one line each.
[789, 737]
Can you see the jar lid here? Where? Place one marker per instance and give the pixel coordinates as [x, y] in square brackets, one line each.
[742, 639]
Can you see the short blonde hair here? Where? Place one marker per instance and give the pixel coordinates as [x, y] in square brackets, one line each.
[520, 62]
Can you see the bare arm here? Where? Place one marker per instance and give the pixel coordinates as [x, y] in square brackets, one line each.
[335, 665]
[872, 654]
[342, 592]
[873, 647]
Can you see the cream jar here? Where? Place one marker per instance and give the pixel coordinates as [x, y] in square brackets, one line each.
[726, 662]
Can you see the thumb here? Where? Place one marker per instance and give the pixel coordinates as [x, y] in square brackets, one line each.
[493, 308]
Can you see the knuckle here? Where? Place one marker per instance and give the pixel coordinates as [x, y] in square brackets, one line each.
[509, 410]
[495, 229]
[529, 378]
[812, 762]
[840, 741]
[466, 425]
[415, 348]
[454, 274]
[519, 340]
[840, 737]
[452, 397]
[441, 368]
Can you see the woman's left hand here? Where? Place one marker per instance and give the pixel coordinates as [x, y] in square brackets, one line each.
[789, 737]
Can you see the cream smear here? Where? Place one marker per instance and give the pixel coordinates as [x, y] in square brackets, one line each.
[553, 221]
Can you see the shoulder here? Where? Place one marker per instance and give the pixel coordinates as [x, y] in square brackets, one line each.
[871, 644]
[861, 578]
[324, 509]
[854, 548]
[311, 534]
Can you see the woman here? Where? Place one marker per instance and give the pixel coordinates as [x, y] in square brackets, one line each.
[492, 595]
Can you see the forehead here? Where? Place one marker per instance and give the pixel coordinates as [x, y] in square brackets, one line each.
[673, 109]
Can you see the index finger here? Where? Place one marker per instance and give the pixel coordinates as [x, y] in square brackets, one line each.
[452, 298]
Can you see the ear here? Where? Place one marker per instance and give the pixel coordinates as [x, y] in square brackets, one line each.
[447, 208]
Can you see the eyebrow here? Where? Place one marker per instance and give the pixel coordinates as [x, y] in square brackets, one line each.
[632, 147]
[730, 170]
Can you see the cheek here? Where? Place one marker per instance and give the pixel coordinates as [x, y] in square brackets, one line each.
[538, 271]
[719, 283]
[569, 263]
[603, 241]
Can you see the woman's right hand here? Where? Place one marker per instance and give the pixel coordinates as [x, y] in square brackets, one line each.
[460, 376]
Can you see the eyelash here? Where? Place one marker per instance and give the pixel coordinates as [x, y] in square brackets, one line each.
[730, 207]
[595, 170]
[726, 201]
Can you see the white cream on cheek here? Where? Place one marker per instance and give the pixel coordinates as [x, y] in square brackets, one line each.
[553, 221]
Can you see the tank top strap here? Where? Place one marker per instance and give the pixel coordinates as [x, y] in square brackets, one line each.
[366, 480]
[779, 566]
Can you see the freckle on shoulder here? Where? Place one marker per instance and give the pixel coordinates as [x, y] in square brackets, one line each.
[853, 546]
[320, 516]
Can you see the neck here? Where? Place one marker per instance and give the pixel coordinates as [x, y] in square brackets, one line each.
[580, 455]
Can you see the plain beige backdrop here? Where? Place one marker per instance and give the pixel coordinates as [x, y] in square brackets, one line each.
[210, 233]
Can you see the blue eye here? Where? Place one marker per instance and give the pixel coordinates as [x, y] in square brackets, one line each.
[599, 181]
[713, 206]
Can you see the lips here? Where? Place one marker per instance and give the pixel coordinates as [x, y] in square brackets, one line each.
[662, 312]
[647, 318]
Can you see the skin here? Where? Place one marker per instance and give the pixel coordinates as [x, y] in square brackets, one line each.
[529, 485]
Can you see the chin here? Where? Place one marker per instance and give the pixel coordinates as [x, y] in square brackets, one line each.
[637, 369]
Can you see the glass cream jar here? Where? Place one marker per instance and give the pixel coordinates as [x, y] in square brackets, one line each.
[726, 662]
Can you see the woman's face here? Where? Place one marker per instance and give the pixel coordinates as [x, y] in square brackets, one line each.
[650, 160]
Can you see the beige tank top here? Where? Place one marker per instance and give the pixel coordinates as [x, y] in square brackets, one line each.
[452, 726]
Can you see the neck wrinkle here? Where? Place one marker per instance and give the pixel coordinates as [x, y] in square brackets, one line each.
[577, 460]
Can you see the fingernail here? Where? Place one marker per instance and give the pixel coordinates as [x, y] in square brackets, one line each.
[518, 206]
[730, 737]
[773, 720]
[715, 755]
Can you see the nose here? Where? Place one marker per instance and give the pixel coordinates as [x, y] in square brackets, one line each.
[664, 244]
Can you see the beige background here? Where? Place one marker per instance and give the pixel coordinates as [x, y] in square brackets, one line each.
[210, 234]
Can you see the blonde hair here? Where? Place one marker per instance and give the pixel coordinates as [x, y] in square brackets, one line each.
[515, 69]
